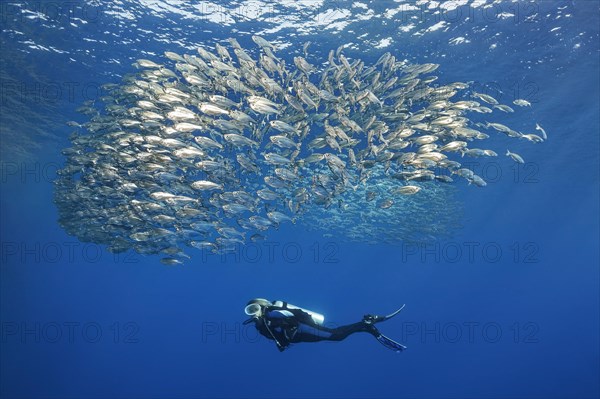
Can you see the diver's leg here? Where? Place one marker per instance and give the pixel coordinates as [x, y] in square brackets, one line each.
[315, 333]
[363, 326]
[321, 333]
[311, 333]
[308, 337]
[340, 333]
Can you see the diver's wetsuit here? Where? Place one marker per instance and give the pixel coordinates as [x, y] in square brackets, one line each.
[287, 326]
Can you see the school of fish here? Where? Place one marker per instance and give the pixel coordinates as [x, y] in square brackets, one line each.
[213, 149]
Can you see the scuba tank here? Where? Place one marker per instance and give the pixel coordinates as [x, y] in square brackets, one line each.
[317, 317]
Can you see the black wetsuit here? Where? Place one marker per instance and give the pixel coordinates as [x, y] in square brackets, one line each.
[286, 326]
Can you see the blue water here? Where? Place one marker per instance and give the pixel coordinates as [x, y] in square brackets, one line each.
[507, 307]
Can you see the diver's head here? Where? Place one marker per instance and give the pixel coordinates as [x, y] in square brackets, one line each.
[256, 306]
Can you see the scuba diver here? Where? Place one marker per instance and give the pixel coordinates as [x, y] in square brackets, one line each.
[288, 324]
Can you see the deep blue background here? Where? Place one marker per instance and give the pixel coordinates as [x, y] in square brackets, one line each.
[180, 332]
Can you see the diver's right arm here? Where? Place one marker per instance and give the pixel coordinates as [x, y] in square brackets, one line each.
[276, 320]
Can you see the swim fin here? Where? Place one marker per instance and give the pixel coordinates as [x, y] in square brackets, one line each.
[393, 314]
[390, 343]
[378, 319]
